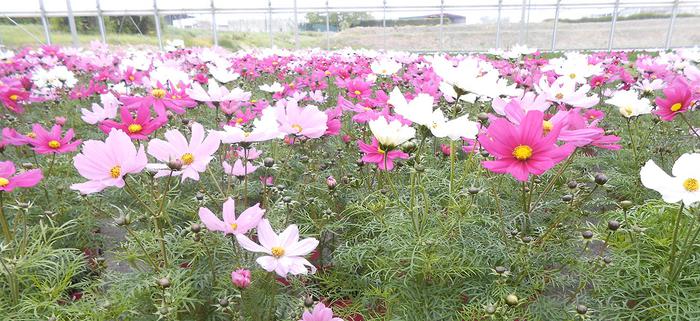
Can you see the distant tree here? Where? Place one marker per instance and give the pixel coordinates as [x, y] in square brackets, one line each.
[342, 20]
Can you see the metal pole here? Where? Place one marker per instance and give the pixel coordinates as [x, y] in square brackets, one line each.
[384, 24]
[296, 27]
[71, 24]
[527, 22]
[328, 28]
[101, 21]
[498, 24]
[157, 21]
[671, 23]
[45, 22]
[556, 25]
[213, 24]
[613, 22]
[269, 19]
[442, 17]
[521, 33]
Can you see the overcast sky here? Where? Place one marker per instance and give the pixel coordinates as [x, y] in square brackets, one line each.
[474, 10]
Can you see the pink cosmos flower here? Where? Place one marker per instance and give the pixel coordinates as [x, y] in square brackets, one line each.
[375, 154]
[238, 169]
[10, 136]
[523, 150]
[678, 100]
[9, 180]
[106, 163]
[162, 98]
[285, 253]
[301, 121]
[138, 127]
[195, 155]
[319, 313]
[241, 278]
[357, 88]
[232, 225]
[47, 142]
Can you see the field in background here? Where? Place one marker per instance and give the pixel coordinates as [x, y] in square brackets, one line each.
[646, 33]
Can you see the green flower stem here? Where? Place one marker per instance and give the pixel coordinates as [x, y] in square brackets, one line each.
[156, 219]
[689, 125]
[552, 181]
[143, 248]
[674, 239]
[687, 249]
[3, 220]
[634, 144]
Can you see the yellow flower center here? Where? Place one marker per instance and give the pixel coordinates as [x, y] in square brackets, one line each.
[522, 152]
[277, 251]
[547, 126]
[187, 159]
[31, 135]
[383, 71]
[239, 120]
[115, 171]
[328, 73]
[357, 92]
[253, 101]
[380, 150]
[234, 226]
[559, 96]
[291, 85]
[691, 185]
[158, 93]
[54, 144]
[131, 78]
[676, 107]
[4, 182]
[275, 63]
[246, 134]
[628, 111]
[14, 97]
[297, 127]
[135, 128]
[572, 75]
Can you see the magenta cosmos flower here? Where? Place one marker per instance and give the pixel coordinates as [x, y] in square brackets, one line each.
[162, 99]
[138, 127]
[373, 153]
[678, 100]
[285, 253]
[9, 180]
[523, 150]
[195, 155]
[47, 142]
[319, 313]
[106, 163]
[232, 225]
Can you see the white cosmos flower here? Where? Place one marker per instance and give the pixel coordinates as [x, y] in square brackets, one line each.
[650, 86]
[274, 88]
[629, 103]
[684, 185]
[222, 74]
[392, 133]
[420, 111]
[385, 67]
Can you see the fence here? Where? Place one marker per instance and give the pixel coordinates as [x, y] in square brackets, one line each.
[439, 34]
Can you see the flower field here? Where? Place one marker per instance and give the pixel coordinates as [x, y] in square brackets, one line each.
[202, 184]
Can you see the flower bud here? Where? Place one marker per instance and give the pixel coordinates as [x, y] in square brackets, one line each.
[175, 165]
[572, 184]
[269, 162]
[241, 278]
[122, 220]
[474, 190]
[195, 228]
[581, 309]
[223, 302]
[626, 205]
[331, 182]
[567, 198]
[164, 283]
[308, 301]
[512, 300]
[483, 117]
[587, 235]
[601, 179]
[613, 225]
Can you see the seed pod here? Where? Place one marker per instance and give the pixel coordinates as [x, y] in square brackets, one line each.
[199, 196]
[419, 168]
[512, 300]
